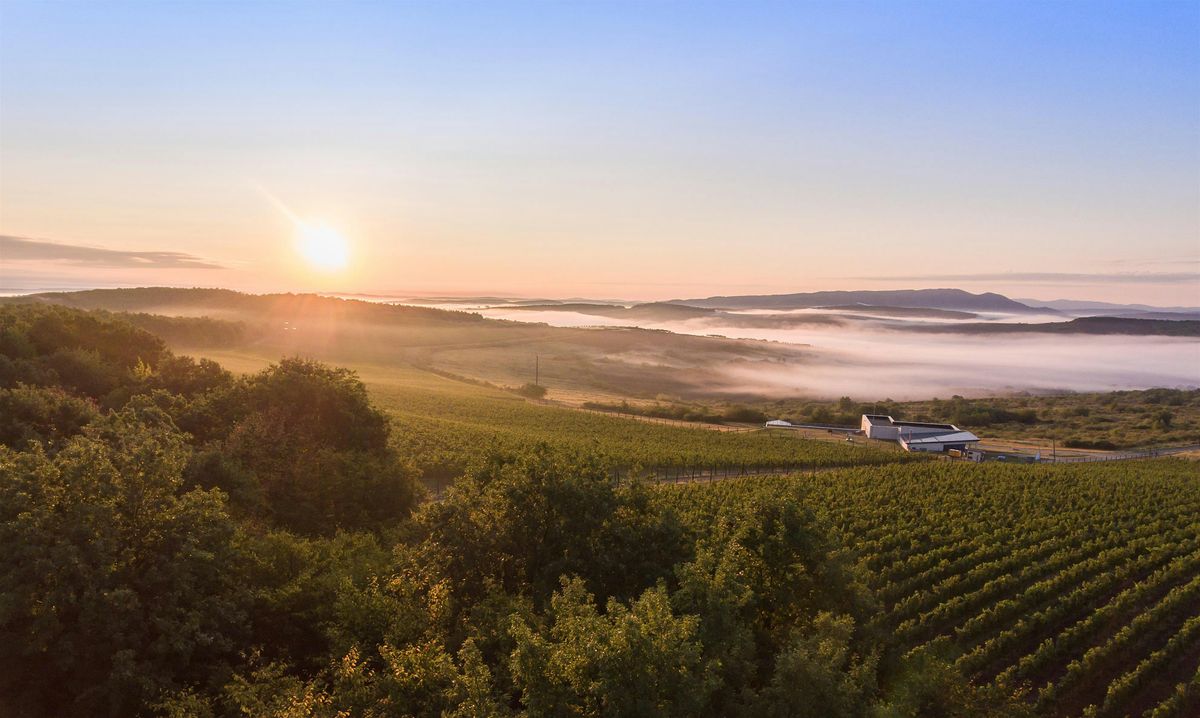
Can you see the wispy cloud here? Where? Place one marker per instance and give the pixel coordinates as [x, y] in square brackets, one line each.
[1049, 277]
[26, 249]
[1193, 260]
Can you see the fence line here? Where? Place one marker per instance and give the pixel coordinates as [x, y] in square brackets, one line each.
[1124, 456]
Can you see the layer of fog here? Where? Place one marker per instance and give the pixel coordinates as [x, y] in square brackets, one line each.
[867, 360]
[1024, 318]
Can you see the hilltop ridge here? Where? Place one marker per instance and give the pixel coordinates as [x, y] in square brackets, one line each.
[952, 299]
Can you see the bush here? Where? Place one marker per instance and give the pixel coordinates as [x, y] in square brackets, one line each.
[47, 415]
[317, 449]
[744, 414]
[117, 585]
[531, 390]
[1079, 443]
[518, 523]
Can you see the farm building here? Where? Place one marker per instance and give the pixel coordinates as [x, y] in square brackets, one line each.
[917, 436]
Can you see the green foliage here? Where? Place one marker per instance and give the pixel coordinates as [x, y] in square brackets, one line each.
[966, 413]
[90, 354]
[299, 589]
[86, 372]
[189, 378]
[300, 446]
[47, 415]
[189, 331]
[636, 660]
[116, 583]
[764, 533]
[94, 355]
[531, 391]
[1077, 442]
[307, 403]
[744, 414]
[821, 415]
[929, 687]
[519, 523]
[818, 674]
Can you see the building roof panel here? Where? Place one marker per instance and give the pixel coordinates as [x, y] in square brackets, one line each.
[955, 437]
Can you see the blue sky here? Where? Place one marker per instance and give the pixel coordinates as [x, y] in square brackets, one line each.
[644, 150]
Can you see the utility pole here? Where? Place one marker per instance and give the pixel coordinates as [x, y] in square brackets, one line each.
[537, 370]
[1054, 451]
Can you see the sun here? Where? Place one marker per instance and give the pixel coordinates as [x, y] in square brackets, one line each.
[322, 247]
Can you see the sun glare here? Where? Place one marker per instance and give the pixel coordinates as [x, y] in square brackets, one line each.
[323, 248]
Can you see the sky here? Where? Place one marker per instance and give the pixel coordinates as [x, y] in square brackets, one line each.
[645, 150]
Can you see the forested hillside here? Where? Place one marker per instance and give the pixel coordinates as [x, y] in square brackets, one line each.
[178, 540]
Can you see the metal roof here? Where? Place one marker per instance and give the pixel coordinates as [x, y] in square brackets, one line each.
[956, 437]
[882, 420]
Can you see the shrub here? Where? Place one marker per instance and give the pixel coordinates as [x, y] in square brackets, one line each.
[744, 414]
[531, 390]
[1079, 443]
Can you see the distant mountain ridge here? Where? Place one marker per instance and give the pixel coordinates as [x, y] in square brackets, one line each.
[660, 311]
[1074, 305]
[952, 299]
[1080, 325]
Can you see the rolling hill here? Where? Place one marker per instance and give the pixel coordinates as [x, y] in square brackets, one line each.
[953, 299]
[1081, 325]
[581, 363]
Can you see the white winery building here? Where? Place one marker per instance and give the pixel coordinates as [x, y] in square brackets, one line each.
[916, 435]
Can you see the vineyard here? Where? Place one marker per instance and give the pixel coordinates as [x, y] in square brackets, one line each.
[1078, 587]
[442, 423]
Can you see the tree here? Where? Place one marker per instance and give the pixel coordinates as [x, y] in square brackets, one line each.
[822, 415]
[930, 687]
[518, 523]
[315, 447]
[636, 660]
[532, 391]
[185, 376]
[116, 583]
[716, 587]
[818, 674]
[47, 415]
[90, 353]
